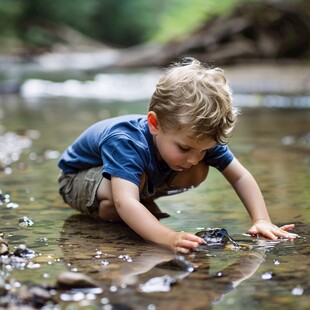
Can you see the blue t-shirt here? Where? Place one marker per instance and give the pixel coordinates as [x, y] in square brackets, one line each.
[124, 147]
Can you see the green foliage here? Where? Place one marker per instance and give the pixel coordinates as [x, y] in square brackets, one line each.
[183, 16]
[10, 12]
[118, 22]
[125, 23]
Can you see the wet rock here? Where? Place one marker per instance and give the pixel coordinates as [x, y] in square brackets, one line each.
[158, 284]
[179, 263]
[23, 251]
[218, 238]
[13, 262]
[40, 296]
[35, 296]
[2, 197]
[2, 287]
[215, 237]
[4, 247]
[25, 222]
[69, 279]
[26, 297]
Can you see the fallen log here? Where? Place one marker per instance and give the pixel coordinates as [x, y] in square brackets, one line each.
[261, 30]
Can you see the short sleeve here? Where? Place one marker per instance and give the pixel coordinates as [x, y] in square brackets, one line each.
[123, 157]
[219, 157]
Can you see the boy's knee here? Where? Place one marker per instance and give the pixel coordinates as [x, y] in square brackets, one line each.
[200, 174]
[107, 211]
[191, 177]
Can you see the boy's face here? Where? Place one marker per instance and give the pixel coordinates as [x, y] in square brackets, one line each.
[179, 151]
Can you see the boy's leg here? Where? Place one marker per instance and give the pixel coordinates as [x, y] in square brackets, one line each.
[106, 210]
[180, 182]
[191, 177]
[103, 204]
[148, 200]
[79, 189]
[151, 205]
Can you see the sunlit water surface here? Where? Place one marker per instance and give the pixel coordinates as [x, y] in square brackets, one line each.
[272, 143]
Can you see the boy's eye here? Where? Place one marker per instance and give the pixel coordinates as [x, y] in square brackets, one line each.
[183, 148]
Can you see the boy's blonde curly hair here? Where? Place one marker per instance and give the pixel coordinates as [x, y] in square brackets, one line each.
[192, 97]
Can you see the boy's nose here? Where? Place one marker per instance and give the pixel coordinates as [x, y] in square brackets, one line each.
[193, 160]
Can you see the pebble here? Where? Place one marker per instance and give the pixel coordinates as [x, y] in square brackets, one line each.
[69, 279]
[4, 248]
[23, 251]
[25, 221]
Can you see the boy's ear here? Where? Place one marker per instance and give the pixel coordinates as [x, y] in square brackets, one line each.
[153, 122]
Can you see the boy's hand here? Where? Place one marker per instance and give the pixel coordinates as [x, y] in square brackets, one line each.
[183, 242]
[272, 231]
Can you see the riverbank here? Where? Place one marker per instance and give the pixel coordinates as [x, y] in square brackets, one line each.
[280, 77]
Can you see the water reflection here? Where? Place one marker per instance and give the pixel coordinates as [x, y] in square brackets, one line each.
[118, 258]
[272, 143]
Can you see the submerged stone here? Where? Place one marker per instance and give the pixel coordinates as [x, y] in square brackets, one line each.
[179, 263]
[69, 279]
[23, 251]
[158, 284]
[4, 247]
[23, 296]
[218, 238]
[25, 221]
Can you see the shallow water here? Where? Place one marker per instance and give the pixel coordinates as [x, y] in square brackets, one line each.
[273, 143]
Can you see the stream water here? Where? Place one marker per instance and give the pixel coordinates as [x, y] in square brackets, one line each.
[274, 144]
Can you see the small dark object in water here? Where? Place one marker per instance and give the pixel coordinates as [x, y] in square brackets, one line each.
[216, 238]
[23, 251]
[25, 221]
[178, 263]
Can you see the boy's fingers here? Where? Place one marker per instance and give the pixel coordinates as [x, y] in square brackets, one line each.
[182, 250]
[273, 232]
[189, 244]
[253, 231]
[194, 238]
[287, 227]
[280, 232]
[270, 235]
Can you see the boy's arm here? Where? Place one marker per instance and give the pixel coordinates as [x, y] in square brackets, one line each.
[248, 191]
[143, 222]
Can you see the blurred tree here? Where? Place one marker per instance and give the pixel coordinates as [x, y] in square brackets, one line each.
[123, 23]
[182, 17]
[128, 22]
[10, 12]
[40, 23]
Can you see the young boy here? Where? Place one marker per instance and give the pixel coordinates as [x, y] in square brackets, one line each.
[118, 166]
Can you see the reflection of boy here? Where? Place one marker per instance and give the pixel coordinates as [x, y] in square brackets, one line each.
[118, 166]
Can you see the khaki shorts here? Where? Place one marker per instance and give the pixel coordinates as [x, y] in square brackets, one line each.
[79, 189]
